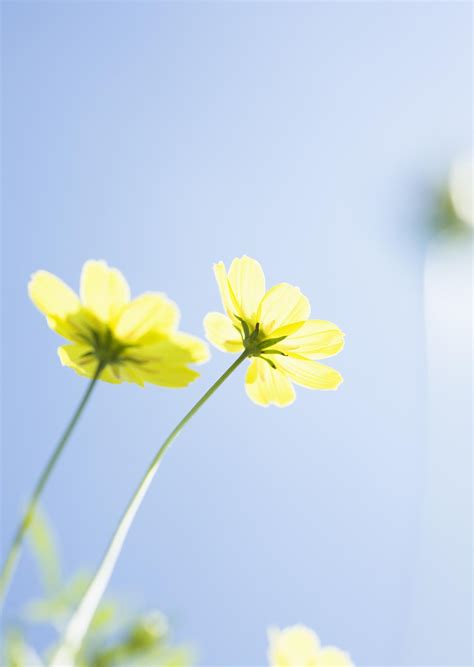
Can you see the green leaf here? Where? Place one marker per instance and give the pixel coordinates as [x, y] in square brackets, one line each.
[245, 326]
[271, 341]
[104, 616]
[56, 608]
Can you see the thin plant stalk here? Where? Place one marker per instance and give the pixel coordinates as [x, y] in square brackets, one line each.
[81, 619]
[13, 554]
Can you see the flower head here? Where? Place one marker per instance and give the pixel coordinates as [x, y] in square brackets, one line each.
[274, 328]
[298, 646]
[132, 340]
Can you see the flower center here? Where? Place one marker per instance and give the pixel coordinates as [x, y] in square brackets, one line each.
[257, 343]
[105, 347]
[252, 340]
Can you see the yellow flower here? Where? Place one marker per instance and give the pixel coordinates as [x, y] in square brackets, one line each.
[133, 340]
[298, 646]
[273, 327]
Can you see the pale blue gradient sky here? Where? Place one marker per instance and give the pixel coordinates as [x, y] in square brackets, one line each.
[164, 137]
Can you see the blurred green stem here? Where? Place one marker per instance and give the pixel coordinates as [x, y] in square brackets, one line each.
[14, 552]
[82, 617]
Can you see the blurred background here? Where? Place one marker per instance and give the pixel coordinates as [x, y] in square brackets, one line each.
[317, 138]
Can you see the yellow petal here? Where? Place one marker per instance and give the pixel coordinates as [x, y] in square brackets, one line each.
[104, 290]
[167, 376]
[229, 301]
[164, 362]
[266, 385]
[315, 339]
[81, 327]
[221, 332]
[174, 350]
[333, 657]
[52, 296]
[296, 646]
[247, 281]
[308, 373]
[147, 313]
[282, 305]
[197, 348]
[78, 357]
[129, 372]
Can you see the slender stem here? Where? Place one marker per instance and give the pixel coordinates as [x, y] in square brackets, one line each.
[82, 617]
[15, 548]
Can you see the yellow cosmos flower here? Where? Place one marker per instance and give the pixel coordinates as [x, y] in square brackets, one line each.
[298, 646]
[113, 339]
[132, 340]
[273, 327]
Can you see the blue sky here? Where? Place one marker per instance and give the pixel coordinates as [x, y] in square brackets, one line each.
[164, 137]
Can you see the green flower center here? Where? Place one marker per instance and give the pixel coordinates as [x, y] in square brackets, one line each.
[257, 343]
[106, 348]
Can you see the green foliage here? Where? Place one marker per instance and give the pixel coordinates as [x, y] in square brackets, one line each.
[18, 653]
[44, 546]
[115, 638]
[444, 218]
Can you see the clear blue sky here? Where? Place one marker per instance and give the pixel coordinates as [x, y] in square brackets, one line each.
[164, 137]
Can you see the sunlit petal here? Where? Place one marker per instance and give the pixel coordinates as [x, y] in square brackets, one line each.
[167, 376]
[197, 348]
[130, 372]
[104, 290]
[247, 281]
[308, 373]
[228, 298]
[221, 332]
[147, 313]
[52, 296]
[174, 350]
[315, 339]
[266, 385]
[282, 305]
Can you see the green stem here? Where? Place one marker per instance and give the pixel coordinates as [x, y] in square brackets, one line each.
[15, 548]
[82, 617]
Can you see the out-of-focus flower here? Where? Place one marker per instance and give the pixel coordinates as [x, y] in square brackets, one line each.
[298, 646]
[460, 189]
[132, 341]
[274, 328]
